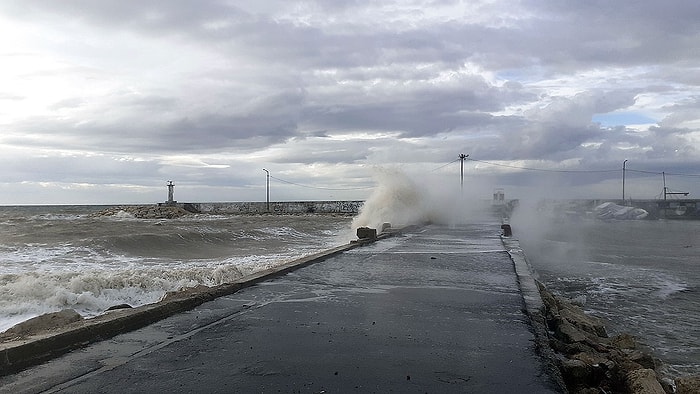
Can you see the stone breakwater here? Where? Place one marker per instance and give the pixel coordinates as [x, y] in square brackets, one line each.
[175, 210]
[591, 362]
[144, 211]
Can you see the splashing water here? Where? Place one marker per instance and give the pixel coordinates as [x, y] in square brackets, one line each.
[401, 200]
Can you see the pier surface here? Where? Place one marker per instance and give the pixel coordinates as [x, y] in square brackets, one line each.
[435, 310]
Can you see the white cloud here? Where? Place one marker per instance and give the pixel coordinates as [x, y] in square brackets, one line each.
[104, 99]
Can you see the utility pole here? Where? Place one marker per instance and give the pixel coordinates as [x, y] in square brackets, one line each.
[663, 174]
[462, 157]
[267, 189]
[666, 192]
[623, 181]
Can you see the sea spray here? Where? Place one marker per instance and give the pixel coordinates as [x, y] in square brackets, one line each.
[401, 200]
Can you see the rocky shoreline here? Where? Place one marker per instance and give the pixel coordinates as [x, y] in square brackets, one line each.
[144, 211]
[591, 362]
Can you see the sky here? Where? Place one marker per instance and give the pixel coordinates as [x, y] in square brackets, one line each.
[104, 102]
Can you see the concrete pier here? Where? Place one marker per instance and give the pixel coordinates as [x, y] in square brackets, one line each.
[435, 309]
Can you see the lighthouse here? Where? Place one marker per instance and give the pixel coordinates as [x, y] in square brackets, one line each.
[171, 192]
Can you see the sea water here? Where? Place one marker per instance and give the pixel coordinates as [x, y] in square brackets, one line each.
[58, 257]
[641, 276]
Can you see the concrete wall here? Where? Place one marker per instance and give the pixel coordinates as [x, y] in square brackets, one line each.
[290, 207]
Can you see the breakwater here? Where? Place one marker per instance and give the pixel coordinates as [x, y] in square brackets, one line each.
[675, 209]
[285, 207]
[289, 207]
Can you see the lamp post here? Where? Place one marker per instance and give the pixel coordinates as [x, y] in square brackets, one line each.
[267, 189]
[624, 169]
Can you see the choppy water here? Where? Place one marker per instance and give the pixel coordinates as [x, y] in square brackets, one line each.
[642, 277]
[52, 258]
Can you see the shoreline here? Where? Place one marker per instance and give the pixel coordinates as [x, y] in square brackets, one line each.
[575, 347]
[585, 358]
[51, 335]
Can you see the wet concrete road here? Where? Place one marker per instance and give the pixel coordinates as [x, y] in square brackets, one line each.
[436, 311]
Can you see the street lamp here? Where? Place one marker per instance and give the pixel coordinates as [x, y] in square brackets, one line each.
[624, 163]
[267, 188]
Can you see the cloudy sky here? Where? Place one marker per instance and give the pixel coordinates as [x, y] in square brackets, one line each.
[105, 101]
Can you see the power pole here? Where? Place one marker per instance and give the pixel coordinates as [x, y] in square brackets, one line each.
[267, 188]
[462, 157]
[623, 181]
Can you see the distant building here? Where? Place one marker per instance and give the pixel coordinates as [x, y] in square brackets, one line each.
[499, 197]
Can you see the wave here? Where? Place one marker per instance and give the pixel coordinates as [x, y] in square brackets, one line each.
[399, 199]
[62, 258]
[91, 292]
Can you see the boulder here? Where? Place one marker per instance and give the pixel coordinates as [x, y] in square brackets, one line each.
[575, 372]
[144, 211]
[589, 360]
[688, 385]
[623, 341]
[366, 233]
[42, 323]
[578, 318]
[569, 333]
[643, 381]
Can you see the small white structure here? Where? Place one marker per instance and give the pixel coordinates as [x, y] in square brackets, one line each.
[499, 197]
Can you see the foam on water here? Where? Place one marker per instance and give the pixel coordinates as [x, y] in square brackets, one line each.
[51, 261]
[638, 276]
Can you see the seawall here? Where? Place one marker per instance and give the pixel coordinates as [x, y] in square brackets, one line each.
[284, 207]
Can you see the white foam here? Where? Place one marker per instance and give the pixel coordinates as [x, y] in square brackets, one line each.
[400, 200]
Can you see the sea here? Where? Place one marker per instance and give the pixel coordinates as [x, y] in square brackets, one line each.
[60, 257]
[641, 276]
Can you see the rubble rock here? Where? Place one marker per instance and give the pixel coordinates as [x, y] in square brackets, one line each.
[42, 323]
[688, 385]
[144, 211]
[589, 360]
[624, 341]
[643, 381]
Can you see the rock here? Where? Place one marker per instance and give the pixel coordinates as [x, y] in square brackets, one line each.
[643, 381]
[144, 211]
[575, 372]
[120, 306]
[591, 358]
[668, 385]
[577, 317]
[643, 359]
[624, 341]
[366, 233]
[589, 361]
[43, 323]
[569, 333]
[588, 390]
[688, 385]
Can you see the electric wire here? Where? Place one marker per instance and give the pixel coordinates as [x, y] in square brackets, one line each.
[445, 165]
[319, 187]
[502, 165]
[539, 169]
